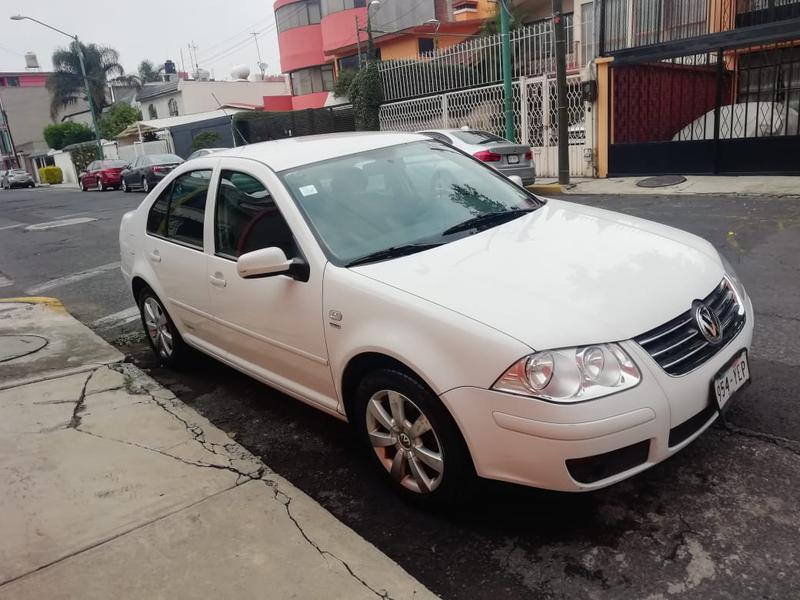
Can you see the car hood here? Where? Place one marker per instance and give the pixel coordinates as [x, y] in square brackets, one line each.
[564, 275]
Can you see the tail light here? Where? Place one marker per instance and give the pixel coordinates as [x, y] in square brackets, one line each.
[529, 155]
[487, 156]
[159, 170]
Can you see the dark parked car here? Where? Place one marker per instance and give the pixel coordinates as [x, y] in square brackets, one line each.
[146, 171]
[102, 175]
[17, 178]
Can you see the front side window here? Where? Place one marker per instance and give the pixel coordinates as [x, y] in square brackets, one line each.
[417, 193]
[246, 218]
[179, 211]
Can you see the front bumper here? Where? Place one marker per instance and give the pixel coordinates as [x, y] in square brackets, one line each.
[531, 442]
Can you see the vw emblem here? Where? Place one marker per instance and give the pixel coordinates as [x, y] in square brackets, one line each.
[707, 323]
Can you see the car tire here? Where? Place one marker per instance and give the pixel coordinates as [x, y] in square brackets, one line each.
[31, 185]
[83, 186]
[125, 187]
[164, 338]
[430, 467]
[145, 185]
[100, 186]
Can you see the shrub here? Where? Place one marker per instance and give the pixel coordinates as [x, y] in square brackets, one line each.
[51, 175]
[206, 139]
[344, 80]
[59, 135]
[366, 95]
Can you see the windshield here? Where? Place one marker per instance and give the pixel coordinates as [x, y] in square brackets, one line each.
[160, 159]
[477, 137]
[390, 197]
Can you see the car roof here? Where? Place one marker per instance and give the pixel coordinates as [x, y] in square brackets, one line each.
[294, 152]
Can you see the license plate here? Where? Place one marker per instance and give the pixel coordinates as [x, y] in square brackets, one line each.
[513, 159]
[732, 378]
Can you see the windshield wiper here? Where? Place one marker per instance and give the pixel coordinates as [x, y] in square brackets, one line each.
[393, 252]
[487, 219]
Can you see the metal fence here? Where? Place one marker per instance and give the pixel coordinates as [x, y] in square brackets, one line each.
[535, 118]
[477, 62]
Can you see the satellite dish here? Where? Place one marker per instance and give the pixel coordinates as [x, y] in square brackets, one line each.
[240, 72]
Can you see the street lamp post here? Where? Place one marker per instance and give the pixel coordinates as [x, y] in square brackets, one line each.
[83, 74]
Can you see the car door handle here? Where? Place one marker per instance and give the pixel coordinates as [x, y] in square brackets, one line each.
[155, 256]
[217, 280]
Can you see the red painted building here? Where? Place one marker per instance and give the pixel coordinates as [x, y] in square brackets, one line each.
[316, 38]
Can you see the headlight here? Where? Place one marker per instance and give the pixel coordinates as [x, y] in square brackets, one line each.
[571, 374]
[735, 283]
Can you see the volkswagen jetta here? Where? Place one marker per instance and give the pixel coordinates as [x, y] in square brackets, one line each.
[461, 324]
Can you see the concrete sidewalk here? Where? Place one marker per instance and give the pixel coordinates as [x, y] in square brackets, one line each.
[694, 184]
[112, 487]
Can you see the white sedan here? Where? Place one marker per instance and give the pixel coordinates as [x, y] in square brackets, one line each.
[465, 328]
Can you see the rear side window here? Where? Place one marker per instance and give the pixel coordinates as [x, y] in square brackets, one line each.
[179, 211]
[247, 218]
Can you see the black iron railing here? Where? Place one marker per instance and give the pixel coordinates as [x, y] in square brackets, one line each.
[628, 24]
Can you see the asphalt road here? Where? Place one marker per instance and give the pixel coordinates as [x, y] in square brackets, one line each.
[719, 520]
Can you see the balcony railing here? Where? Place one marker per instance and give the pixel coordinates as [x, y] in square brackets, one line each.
[634, 23]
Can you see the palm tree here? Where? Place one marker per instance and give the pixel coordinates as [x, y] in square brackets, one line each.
[66, 83]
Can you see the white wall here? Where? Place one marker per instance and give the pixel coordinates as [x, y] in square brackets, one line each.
[63, 160]
[161, 104]
[196, 95]
[139, 149]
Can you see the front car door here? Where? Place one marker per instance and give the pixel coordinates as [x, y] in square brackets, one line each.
[272, 327]
[87, 178]
[174, 247]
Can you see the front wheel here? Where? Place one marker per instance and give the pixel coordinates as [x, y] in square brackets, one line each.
[101, 186]
[125, 187]
[161, 332]
[83, 186]
[413, 439]
[145, 185]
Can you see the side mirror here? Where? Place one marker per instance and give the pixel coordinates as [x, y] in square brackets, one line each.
[269, 262]
[516, 179]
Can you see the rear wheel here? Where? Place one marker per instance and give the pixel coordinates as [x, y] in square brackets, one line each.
[125, 187]
[413, 439]
[101, 186]
[161, 332]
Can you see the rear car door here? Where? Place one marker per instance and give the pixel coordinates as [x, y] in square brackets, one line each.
[272, 326]
[175, 249]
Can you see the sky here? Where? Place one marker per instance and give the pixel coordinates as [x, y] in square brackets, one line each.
[156, 30]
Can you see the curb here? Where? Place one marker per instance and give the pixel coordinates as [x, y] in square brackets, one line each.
[53, 303]
[545, 188]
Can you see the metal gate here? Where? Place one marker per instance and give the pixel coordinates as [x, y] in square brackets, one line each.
[702, 87]
[535, 119]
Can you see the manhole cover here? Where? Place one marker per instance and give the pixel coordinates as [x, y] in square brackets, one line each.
[15, 346]
[661, 181]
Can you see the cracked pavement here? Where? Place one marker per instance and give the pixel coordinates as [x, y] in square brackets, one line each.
[108, 477]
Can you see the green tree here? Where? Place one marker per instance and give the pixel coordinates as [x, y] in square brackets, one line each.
[117, 118]
[343, 82]
[66, 83]
[519, 15]
[205, 139]
[148, 72]
[365, 94]
[58, 135]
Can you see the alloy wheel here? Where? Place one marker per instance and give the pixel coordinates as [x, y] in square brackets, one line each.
[100, 186]
[404, 441]
[155, 320]
[145, 185]
[124, 186]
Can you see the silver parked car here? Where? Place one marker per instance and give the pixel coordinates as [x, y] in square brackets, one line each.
[17, 178]
[507, 157]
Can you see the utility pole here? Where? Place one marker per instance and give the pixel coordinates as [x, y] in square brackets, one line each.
[508, 90]
[261, 65]
[358, 41]
[561, 86]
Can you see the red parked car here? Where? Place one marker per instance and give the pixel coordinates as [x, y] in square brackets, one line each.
[102, 175]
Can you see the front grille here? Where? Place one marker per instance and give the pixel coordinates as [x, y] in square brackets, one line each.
[678, 347]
